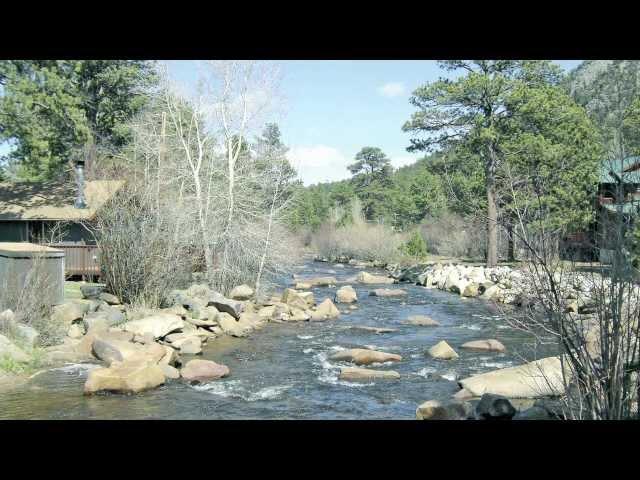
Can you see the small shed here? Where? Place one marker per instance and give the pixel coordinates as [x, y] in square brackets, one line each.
[18, 260]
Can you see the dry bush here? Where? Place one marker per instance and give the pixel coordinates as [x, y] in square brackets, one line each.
[143, 254]
[30, 303]
[359, 239]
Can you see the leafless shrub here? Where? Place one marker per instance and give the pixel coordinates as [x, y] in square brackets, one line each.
[30, 302]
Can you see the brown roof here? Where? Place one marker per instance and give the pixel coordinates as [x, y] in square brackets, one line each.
[53, 200]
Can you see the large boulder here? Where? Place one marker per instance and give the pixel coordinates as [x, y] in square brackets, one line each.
[191, 345]
[227, 305]
[293, 299]
[67, 313]
[158, 325]
[91, 292]
[110, 350]
[104, 317]
[308, 297]
[7, 320]
[109, 298]
[233, 327]
[346, 294]
[203, 371]
[442, 351]
[126, 377]
[356, 373]
[422, 321]
[435, 410]
[540, 378]
[387, 292]
[325, 311]
[471, 289]
[12, 351]
[494, 407]
[490, 345]
[241, 292]
[367, 278]
[363, 356]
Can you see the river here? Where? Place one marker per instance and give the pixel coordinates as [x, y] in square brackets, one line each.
[283, 371]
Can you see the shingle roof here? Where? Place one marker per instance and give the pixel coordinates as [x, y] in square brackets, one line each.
[53, 200]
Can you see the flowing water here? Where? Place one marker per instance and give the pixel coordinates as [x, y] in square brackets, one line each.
[284, 372]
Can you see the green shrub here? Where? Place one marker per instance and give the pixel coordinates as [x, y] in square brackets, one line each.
[416, 246]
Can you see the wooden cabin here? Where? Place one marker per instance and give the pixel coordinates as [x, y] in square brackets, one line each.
[57, 214]
[618, 194]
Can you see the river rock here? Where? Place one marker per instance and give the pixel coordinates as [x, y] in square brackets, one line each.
[189, 346]
[470, 290]
[67, 313]
[203, 371]
[267, 312]
[322, 281]
[377, 330]
[91, 292]
[126, 377]
[490, 345]
[231, 326]
[533, 413]
[356, 373]
[493, 292]
[106, 318]
[422, 321]
[325, 311]
[308, 297]
[540, 378]
[463, 394]
[76, 330]
[435, 410]
[9, 349]
[169, 371]
[443, 351]
[293, 299]
[363, 356]
[241, 292]
[367, 278]
[7, 320]
[223, 304]
[494, 407]
[110, 299]
[387, 292]
[346, 294]
[159, 325]
[109, 350]
[303, 286]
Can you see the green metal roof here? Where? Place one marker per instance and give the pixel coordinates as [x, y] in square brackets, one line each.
[627, 208]
[619, 168]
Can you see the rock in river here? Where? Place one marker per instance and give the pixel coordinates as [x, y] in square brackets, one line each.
[363, 356]
[377, 330]
[367, 278]
[203, 371]
[443, 351]
[540, 378]
[494, 407]
[423, 321]
[325, 311]
[490, 345]
[387, 292]
[346, 294]
[355, 373]
[126, 377]
[435, 410]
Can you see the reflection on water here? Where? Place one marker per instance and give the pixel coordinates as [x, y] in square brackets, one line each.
[283, 371]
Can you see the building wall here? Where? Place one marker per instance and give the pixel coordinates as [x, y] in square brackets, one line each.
[40, 232]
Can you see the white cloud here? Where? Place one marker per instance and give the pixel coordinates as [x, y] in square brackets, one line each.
[392, 89]
[402, 160]
[319, 163]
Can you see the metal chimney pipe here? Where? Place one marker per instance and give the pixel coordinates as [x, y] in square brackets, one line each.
[80, 201]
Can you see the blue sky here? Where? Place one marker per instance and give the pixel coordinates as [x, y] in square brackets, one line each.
[334, 108]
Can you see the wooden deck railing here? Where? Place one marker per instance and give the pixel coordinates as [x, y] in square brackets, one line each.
[80, 259]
